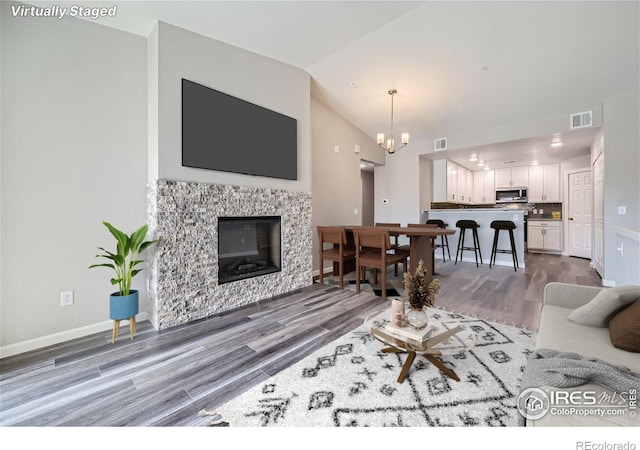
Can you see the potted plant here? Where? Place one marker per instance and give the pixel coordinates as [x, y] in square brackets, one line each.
[419, 295]
[123, 304]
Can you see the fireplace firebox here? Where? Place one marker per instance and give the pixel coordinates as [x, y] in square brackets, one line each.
[248, 247]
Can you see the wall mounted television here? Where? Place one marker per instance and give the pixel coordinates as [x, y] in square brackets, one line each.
[221, 132]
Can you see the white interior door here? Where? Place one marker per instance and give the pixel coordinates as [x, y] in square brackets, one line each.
[580, 212]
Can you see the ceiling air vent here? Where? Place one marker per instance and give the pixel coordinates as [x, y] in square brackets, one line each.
[440, 144]
[581, 120]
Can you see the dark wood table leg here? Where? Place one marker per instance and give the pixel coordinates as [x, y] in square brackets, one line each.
[421, 248]
[392, 350]
[444, 369]
[407, 365]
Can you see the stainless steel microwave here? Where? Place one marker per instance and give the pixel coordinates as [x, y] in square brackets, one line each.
[511, 195]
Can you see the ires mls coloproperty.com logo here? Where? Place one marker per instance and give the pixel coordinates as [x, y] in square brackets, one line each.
[534, 403]
[59, 12]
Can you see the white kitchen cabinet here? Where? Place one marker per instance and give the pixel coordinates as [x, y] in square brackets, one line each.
[544, 183]
[465, 184]
[544, 235]
[451, 182]
[461, 183]
[469, 197]
[484, 188]
[512, 177]
[445, 181]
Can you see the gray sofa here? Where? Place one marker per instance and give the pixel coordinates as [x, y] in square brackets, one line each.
[559, 333]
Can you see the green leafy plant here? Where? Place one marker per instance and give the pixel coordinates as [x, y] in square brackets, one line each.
[419, 294]
[125, 259]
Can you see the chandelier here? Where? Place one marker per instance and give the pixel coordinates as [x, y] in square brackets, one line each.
[389, 147]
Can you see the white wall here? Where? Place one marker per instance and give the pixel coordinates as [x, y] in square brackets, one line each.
[426, 183]
[177, 54]
[336, 183]
[398, 181]
[621, 172]
[73, 120]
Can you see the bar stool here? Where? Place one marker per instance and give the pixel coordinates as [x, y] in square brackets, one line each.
[509, 226]
[444, 240]
[465, 225]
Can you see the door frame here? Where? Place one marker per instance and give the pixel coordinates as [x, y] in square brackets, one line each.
[565, 207]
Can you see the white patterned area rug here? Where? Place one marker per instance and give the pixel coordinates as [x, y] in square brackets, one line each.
[351, 382]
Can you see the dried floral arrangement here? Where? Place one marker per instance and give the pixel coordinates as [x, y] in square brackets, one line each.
[419, 294]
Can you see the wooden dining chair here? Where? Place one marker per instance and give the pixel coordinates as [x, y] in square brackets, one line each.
[339, 251]
[376, 242]
[396, 248]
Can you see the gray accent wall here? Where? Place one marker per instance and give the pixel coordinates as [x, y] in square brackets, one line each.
[175, 53]
[74, 140]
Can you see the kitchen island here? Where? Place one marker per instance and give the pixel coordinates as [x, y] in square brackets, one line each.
[484, 217]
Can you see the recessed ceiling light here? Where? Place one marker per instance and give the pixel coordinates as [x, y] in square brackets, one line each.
[474, 157]
[352, 84]
[487, 168]
[556, 141]
[534, 162]
[481, 163]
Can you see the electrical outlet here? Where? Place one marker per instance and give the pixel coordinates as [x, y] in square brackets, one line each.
[622, 210]
[355, 211]
[336, 149]
[66, 298]
[620, 248]
[515, 217]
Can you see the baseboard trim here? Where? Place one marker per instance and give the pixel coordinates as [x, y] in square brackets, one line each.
[327, 271]
[57, 338]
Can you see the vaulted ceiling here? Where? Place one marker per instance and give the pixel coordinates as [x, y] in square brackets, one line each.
[457, 66]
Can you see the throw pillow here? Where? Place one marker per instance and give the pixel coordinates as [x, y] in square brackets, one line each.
[624, 328]
[605, 305]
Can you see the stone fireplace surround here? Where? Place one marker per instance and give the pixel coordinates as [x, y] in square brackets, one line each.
[183, 267]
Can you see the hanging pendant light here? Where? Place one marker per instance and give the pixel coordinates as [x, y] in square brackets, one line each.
[389, 146]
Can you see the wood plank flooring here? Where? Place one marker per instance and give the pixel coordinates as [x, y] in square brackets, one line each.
[504, 295]
[164, 378]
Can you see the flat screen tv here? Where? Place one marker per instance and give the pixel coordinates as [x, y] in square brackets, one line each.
[221, 132]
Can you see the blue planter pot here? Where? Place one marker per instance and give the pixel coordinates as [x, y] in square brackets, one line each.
[123, 306]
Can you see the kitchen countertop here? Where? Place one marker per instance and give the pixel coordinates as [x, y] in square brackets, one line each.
[534, 219]
[485, 234]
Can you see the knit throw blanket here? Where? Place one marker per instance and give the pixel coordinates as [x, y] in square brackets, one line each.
[559, 369]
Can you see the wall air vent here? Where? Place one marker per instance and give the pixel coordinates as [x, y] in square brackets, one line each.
[581, 120]
[440, 144]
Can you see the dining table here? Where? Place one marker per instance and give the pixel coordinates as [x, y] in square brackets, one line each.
[420, 244]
